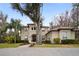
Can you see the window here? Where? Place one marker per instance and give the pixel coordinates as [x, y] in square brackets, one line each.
[64, 35]
[0, 21]
[32, 28]
[43, 30]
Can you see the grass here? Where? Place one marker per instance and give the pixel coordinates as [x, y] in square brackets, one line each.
[57, 46]
[12, 45]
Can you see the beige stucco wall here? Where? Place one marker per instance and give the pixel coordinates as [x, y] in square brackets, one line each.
[59, 34]
[30, 32]
[55, 34]
[51, 35]
[73, 35]
[23, 34]
[70, 34]
[44, 31]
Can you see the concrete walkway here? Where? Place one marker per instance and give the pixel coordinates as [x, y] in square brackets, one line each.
[24, 46]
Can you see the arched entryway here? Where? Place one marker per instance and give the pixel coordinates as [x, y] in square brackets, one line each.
[34, 38]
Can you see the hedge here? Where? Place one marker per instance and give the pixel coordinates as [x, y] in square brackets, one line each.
[56, 40]
[69, 41]
[46, 42]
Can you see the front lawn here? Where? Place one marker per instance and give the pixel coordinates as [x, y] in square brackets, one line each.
[57, 46]
[12, 45]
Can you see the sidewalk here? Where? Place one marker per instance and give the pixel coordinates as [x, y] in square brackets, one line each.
[24, 46]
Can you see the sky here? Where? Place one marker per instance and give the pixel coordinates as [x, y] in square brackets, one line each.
[49, 11]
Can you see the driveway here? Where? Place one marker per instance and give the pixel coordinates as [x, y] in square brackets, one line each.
[27, 51]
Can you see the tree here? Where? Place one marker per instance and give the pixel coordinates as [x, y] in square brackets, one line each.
[64, 20]
[75, 14]
[32, 10]
[51, 25]
[16, 25]
[75, 18]
[3, 24]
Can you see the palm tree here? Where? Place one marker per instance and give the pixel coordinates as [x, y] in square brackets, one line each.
[3, 24]
[15, 23]
[32, 10]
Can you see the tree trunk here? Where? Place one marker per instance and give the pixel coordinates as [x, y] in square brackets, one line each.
[15, 39]
[38, 33]
[15, 34]
[38, 28]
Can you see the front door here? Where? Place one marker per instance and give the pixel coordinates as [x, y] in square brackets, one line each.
[34, 38]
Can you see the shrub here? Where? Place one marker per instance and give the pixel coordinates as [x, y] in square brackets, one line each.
[57, 40]
[9, 39]
[68, 41]
[46, 42]
[2, 40]
[24, 41]
[76, 42]
[18, 40]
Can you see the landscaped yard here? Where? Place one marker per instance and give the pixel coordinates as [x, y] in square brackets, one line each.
[57, 46]
[12, 45]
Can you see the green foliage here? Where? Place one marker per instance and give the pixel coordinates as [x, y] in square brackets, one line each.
[56, 40]
[29, 9]
[76, 41]
[24, 41]
[9, 39]
[75, 4]
[16, 25]
[12, 45]
[3, 24]
[68, 41]
[2, 39]
[32, 10]
[12, 38]
[46, 42]
[75, 11]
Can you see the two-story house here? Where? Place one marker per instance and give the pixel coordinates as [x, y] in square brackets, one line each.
[29, 32]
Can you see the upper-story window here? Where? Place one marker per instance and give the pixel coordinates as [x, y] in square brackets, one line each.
[32, 28]
[0, 21]
[43, 30]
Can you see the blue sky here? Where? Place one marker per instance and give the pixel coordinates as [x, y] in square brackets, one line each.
[49, 10]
